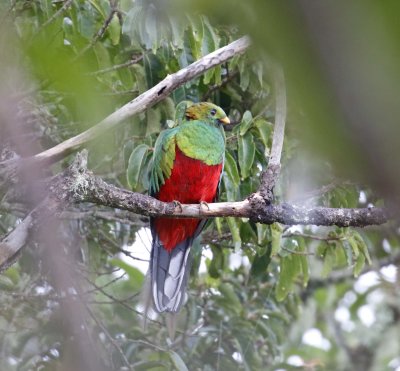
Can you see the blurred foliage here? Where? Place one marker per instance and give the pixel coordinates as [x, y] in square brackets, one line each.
[261, 288]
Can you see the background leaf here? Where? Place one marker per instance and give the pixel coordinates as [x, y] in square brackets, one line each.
[246, 154]
[135, 164]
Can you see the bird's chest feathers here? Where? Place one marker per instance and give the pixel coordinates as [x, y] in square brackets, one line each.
[202, 142]
[191, 180]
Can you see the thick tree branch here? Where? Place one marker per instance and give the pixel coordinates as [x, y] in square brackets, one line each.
[77, 184]
[138, 105]
[11, 245]
[270, 175]
[83, 186]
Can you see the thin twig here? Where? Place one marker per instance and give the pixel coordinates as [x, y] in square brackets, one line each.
[123, 92]
[121, 302]
[313, 237]
[60, 11]
[99, 34]
[134, 60]
[108, 335]
[216, 87]
[297, 252]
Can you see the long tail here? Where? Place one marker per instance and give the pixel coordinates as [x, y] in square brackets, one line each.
[169, 272]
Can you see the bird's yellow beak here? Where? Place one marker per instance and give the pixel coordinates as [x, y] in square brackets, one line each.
[225, 120]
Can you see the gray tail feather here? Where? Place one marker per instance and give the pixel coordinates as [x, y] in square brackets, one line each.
[169, 272]
[150, 313]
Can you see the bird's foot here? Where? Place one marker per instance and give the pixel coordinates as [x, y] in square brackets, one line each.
[204, 204]
[178, 204]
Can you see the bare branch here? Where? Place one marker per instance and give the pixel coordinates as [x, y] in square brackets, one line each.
[134, 60]
[12, 244]
[280, 117]
[138, 105]
[100, 33]
[77, 185]
[270, 175]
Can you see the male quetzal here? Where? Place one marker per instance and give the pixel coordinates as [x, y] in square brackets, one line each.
[187, 166]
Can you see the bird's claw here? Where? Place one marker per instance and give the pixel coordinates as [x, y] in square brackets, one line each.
[203, 203]
[178, 204]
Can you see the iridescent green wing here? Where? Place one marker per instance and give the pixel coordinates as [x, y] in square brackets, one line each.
[163, 159]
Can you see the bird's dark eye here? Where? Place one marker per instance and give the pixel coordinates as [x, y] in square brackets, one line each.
[213, 112]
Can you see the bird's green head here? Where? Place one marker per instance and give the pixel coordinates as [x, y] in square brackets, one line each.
[206, 112]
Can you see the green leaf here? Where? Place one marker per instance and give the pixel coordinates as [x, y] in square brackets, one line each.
[135, 163]
[208, 75]
[153, 121]
[195, 36]
[232, 223]
[260, 264]
[246, 153]
[262, 233]
[348, 252]
[102, 56]
[289, 245]
[247, 121]
[168, 107]
[197, 25]
[303, 260]
[12, 273]
[276, 236]
[140, 76]
[128, 148]
[230, 167]
[6, 283]
[180, 111]
[287, 275]
[230, 189]
[217, 263]
[265, 129]
[360, 263]
[177, 361]
[362, 246]
[177, 29]
[210, 40]
[244, 74]
[329, 259]
[218, 75]
[230, 297]
[114, 30]
[218, 224]
[354, 246]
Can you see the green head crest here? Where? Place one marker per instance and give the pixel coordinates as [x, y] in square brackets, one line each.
[205, 111]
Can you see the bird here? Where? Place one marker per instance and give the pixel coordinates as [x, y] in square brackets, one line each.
[186, 168]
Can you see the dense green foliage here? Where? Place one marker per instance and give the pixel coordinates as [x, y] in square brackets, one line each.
[263, 287]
